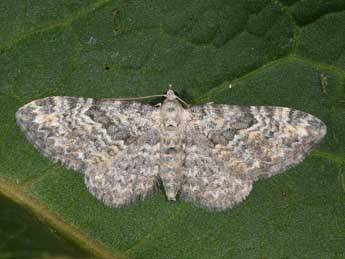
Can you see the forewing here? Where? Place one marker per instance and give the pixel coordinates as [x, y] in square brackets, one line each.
[83, 131]
[130, 176]
[207, 181]
[257, 140]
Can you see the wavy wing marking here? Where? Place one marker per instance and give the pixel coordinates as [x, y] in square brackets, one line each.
[130, 176]
[257, 140]
[80, 132]
[207, 181]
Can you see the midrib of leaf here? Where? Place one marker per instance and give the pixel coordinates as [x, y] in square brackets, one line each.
[18, 195]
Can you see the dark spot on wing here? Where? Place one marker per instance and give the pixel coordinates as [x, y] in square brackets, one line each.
[98, 115]
[222, 137]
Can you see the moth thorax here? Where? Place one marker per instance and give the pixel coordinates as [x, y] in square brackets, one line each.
[171, 115]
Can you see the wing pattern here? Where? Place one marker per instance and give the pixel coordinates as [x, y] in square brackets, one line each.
[257, 140]
[132, 176]
[229, 147]
[82, 131]
[111, 142]
[207, 181]
[211, 153]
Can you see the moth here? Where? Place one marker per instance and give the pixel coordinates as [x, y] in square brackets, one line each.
[209, 154]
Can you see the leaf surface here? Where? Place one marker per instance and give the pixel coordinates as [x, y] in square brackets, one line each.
[251, 52]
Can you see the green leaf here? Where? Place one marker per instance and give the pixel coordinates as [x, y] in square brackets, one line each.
[23, 236]
[251, 52]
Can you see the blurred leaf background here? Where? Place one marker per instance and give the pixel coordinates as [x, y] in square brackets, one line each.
[251, 52]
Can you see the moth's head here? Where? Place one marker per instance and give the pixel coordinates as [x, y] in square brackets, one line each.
[171, 105]
[171, 95]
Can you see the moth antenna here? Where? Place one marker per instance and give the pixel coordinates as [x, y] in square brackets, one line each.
[137, 98]
[183, 102]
